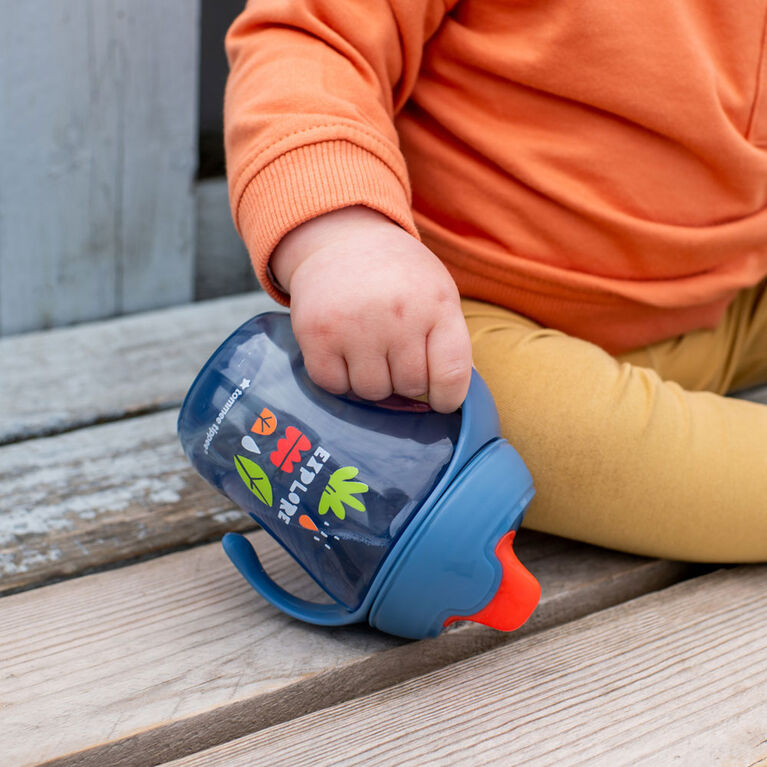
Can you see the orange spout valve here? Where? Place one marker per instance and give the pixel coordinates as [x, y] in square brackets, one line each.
[517, 596]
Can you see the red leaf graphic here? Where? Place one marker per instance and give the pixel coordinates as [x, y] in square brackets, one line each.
[289, 449]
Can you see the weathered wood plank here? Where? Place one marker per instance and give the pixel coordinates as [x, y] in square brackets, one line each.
[92, 497]
[99, 121]
[71, 377]
[86, 499]
[95, 496]
[677, 677]
[163, 658]
[222, 264]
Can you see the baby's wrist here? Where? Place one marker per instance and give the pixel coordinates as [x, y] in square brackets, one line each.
[300, 243]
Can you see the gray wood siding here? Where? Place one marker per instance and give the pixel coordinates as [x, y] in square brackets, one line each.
[98, 131]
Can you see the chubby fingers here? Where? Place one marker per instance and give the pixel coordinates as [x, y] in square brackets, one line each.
[448, 355]
[369, 375]
[327, 368]
[437, 363]
[341, 363]
[408, 367]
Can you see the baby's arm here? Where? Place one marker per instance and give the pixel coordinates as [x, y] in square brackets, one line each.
[320, 191]
[373, 309]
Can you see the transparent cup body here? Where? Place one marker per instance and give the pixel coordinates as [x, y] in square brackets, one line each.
[334, 479]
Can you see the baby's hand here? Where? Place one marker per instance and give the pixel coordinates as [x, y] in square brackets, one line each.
[374, 310]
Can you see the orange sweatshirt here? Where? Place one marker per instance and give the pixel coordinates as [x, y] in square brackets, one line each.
[600, 167]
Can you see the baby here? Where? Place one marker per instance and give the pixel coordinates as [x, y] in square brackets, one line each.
[571, 195]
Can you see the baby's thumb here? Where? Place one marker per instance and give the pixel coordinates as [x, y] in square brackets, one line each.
[448, 354]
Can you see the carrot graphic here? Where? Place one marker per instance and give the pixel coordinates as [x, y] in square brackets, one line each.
[308, 523]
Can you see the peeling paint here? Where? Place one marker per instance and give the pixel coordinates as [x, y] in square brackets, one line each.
[77, 495]
[15, 563]
[66, 514]
[233, 515]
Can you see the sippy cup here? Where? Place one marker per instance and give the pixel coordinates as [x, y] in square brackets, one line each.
[404, 516]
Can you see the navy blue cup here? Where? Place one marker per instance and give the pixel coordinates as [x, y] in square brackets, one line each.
[403, 515]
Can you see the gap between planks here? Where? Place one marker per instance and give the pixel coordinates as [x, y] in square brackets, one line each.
[672, 678]
[160, 659]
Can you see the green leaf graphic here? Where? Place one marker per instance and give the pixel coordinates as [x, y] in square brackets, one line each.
[340, 492]
[255, 478]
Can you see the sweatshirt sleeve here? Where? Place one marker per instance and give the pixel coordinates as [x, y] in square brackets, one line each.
[310, 100]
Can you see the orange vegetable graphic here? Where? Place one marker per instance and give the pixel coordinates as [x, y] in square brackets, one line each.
[265, 424]
[306, 521]
[289, 449]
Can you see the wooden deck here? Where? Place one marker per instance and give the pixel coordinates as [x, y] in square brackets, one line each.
[126, 637]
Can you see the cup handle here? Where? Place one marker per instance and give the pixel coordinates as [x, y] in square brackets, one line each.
[239, 549]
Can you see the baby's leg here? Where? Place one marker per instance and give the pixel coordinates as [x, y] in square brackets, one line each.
[620, 457]
[730, 357]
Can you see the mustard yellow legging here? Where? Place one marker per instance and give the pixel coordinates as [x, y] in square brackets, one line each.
[641, 452]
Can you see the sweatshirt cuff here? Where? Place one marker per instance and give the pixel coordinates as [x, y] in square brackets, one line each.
[306, 182]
